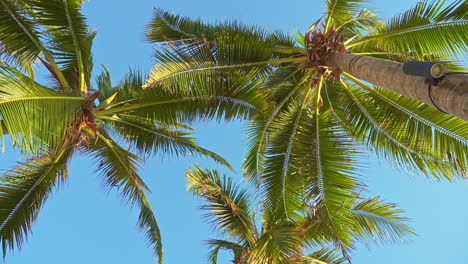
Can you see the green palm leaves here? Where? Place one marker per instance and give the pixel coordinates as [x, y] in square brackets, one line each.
[307, 137]
[49, 124]
[306, 238]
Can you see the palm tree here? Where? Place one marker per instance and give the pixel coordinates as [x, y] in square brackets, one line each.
[309, 120]
[353, 40]
[52, 123]
[258, 235]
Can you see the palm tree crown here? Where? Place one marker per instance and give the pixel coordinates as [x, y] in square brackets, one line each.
[305, 236]
[52, 123]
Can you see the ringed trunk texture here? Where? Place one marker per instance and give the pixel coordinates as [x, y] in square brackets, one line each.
[450, 94]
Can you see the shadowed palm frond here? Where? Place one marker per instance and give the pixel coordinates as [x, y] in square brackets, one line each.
[323, 256]
[69, 37]
[278, 244]
[229, 206]
[19, 37]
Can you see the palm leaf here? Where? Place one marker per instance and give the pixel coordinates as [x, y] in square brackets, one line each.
[119, 169]
[404, 131]
[227, 203]
[323, 256]
[280, 181]
[149, 138]
[377, 219]
[240, 99]
[277, 244]
[26, 107]
[192, 47]
[237, 250]
[24, 190]
[21, 38]
[69, 37]
[426, 29]
[340, 11]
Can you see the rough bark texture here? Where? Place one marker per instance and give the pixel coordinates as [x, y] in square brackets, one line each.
[449, 95]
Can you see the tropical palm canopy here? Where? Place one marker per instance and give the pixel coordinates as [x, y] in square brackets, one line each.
[310, 123]
[305, 236]
[52, 123]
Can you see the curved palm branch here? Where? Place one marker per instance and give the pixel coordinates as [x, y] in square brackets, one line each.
[119, 169]
[24, 190]
[23, 105]
[229, 206]
[428, 28]
[396, 130]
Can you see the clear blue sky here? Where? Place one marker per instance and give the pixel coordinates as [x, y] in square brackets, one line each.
[82, 223]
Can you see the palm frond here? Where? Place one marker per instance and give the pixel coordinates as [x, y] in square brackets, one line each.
[280, 181]
[284, 85]
[235, 97]
[227, 203]
[69, 38]
[323, 256]
[237, 250]
[426, 29]
[338, 12]
[192, 47]
[277, 244]
[104, 84]
[119, 169]
[20, 37]
[412, 135]
[377, 219]
[328, 159]
[24, 190]
[34, 115]
[148, 138]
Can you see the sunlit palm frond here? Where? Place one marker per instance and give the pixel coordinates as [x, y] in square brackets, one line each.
[34, 116]
[357, 24]
[323, 256]
[119, 169]
[24, 190]
[427, 29]
[339, 12]
[278, 244]
[236, 97]
[227, 203]
[422, 123]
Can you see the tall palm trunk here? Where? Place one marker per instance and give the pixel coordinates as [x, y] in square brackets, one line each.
[449, 95]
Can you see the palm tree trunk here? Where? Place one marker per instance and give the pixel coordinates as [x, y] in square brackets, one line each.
[449, 95]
